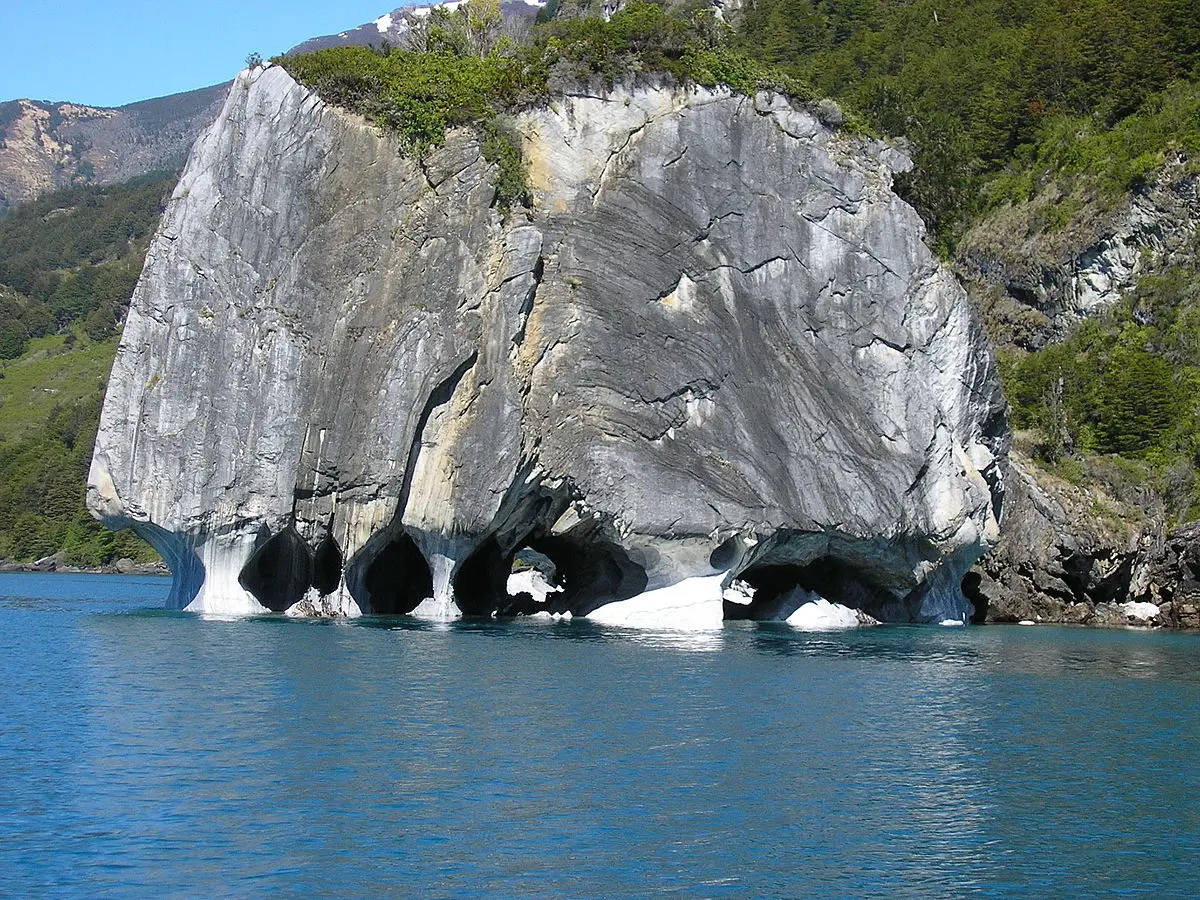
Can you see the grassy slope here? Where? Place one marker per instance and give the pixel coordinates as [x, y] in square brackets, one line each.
[50, 374]
[50, 401]
[68, 263]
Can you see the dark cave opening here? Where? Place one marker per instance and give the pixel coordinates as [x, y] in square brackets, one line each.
[398, 578]
[834, 579]
[589, 572]
[327, 566]
[280, 571]
[481, 580]
[726, 554]
[972, 588]
[1086, 576]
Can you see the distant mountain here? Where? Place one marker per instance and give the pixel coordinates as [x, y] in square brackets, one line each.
[46, 146]
[395, 26]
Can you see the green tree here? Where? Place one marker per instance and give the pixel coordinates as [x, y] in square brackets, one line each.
[1137, 403]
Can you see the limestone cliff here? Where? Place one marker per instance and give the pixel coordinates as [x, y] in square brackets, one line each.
[717, 343]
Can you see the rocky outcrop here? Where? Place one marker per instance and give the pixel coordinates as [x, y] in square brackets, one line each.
[1169, 578]
[1036, 280]
[55, 563]
[716, 344]
[1057, 559]
[1082, 556]
[46, 146]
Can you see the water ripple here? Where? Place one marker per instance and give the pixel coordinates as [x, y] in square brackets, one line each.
[144, 753]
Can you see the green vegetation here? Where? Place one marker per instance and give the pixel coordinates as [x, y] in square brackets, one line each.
[417, 95]
[1125, 384]
[55, 371]
[644, 37]
[1103, 163]
[74, 256]
[68, 264]
[985, 88]
[471, 75]
[49, 407]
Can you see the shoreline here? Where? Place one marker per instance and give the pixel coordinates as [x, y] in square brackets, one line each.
[120, 567]
[1116, 621]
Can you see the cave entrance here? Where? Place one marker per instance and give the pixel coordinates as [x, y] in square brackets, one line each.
[327, 566]
[590, 572]
[570, 573]
[480, 582]
[532, 581]
[398, 578]
[782, 588]
[972, 588]
[280, 571]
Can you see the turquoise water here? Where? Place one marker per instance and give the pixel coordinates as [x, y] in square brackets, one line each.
[145, 753]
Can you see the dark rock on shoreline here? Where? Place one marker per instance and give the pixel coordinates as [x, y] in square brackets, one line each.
[1172, 578]
[52, 564]
[1072, 555]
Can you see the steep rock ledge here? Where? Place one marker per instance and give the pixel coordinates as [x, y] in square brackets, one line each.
[717, 344]
[1035, 282]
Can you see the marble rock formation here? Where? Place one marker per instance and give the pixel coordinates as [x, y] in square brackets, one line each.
[715, 344]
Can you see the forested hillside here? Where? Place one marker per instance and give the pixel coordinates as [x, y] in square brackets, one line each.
[1022, 89]
[68, 264]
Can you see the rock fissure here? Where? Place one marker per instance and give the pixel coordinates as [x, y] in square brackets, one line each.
[674, 159]
[439, 396]
[528, 301]
[614, 155]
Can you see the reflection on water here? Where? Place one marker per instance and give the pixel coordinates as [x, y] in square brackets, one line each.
[153, 753]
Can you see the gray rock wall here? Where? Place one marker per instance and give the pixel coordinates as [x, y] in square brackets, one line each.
[1086, 557]
[716, 343]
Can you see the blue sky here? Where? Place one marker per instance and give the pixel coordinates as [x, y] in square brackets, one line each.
[111, 52]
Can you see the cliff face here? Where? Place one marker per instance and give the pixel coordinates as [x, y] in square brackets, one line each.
[716, 344]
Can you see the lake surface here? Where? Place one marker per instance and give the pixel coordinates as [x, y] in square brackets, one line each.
[146, 753]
